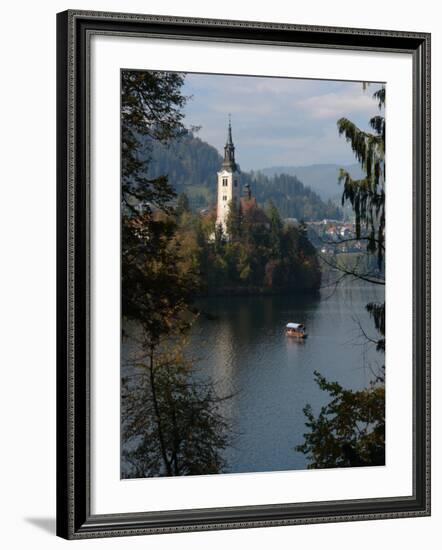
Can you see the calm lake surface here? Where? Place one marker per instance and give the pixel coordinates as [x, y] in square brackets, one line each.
[244, 350]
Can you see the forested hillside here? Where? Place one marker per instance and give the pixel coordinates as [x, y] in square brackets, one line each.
[292, 198]
[321, 178]
[191, 165]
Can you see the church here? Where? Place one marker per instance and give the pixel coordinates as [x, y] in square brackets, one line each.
[229, 191]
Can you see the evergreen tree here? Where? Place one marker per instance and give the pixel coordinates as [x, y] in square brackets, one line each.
[219, 238]
[151, 106]
[367, 195]
[161, 403]
[276, 227]
[233, 222]
[152, 285]
[350, 429]
[183, 205]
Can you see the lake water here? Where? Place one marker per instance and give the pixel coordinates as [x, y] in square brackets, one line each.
[242, 347]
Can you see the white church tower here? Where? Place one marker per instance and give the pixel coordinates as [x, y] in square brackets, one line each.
[228, 183]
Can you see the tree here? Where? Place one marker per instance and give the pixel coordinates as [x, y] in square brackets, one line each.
[233, 222]
[257, 252]
[367, 195]
[183, 205]
[151, 104]
[276, 227]
[350, 429]
[161, 403]
[219, 238]
[151, 107]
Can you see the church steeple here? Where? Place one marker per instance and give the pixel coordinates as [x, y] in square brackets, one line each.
[229, 151]
[229, 193]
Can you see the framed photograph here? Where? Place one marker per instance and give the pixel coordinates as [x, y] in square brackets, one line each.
[243, 278]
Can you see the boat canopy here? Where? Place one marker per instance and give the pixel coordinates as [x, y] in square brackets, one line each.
[295, 325]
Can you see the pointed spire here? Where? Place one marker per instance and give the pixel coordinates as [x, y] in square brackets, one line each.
[229, 150]
[229, 132]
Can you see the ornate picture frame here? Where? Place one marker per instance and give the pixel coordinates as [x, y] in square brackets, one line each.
[75, 518]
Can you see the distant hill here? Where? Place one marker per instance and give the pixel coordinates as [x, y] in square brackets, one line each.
[191, 165]
[321, 178]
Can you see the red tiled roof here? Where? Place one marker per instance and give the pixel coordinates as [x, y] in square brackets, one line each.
[248, 204]
[250, 208]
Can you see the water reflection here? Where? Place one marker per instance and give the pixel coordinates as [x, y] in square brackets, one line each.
[241, 344]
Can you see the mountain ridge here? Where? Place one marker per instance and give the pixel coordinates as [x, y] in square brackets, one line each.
[321, 178]
[191, 165]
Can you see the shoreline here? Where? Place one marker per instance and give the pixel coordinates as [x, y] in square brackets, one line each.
[256, 291]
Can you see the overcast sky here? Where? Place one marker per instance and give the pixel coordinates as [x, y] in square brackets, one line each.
[278, 121]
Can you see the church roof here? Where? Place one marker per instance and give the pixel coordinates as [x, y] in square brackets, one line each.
[248, 204]
[229, 152]
[249, 207]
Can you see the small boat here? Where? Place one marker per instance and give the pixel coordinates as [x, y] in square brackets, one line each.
[296, 330]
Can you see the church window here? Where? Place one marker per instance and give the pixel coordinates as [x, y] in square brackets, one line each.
[224, 182]
[236, 183]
